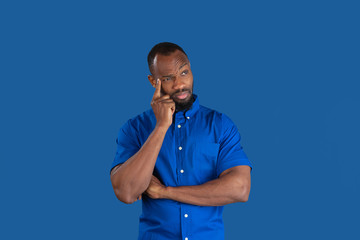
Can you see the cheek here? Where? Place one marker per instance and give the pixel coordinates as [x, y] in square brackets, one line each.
[166, 88]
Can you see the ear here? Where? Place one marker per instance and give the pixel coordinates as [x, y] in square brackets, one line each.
[152, 80]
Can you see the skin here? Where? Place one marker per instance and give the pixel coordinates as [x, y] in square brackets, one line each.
[134, 177]
[175, 74]
[233, 185]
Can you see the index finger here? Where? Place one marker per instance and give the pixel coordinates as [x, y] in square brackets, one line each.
[157, 93]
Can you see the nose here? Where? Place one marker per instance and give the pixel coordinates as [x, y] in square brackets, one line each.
[178, 83]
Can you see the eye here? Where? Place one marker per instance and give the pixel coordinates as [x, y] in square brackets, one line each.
[165, 79]
[184, 72]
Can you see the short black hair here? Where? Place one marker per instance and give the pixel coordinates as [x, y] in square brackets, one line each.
[163, 48]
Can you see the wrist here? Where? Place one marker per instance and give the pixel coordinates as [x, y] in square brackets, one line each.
[166, 193]
[161, 128]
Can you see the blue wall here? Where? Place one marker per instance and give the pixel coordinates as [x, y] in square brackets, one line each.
[286, 72]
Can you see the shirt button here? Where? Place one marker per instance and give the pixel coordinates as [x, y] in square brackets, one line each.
[179, 126]
[182, 170]
[186, 215]
[188, 117]
[186, 238]
[180, 148]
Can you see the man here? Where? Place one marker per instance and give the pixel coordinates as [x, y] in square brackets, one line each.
[182, 159]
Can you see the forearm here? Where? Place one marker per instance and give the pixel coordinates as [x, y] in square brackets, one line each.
[133, 177]
[218, 192]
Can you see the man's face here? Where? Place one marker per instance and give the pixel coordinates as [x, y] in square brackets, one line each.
[176, 78]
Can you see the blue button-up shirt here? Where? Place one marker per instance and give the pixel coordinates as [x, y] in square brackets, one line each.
[199, 145]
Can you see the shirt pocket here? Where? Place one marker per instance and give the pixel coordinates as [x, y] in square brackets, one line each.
[205, 161]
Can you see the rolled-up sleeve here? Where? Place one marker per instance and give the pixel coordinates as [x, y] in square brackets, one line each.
[231, 152]
[127, 144]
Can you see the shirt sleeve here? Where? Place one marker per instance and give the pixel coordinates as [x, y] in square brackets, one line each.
[127, 144]
[231, 152]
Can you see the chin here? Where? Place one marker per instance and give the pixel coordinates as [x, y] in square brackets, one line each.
[184, 103]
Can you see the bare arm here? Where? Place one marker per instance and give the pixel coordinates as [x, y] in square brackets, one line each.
[233, 185]
[133, 177]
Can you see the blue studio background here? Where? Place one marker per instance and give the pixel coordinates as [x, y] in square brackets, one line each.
[286, 72]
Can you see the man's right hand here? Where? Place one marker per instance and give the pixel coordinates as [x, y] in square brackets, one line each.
[163, 107]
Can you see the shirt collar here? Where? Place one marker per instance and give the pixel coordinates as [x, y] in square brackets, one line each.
[189, 113]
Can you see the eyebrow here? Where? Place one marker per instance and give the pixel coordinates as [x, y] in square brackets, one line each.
[182, 65]
[179, 69]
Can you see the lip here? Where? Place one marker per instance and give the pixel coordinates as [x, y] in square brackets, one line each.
[182, 95]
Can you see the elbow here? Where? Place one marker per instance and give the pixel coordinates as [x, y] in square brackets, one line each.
[243, 198]
[124, 197]
[125, 190]
[122, 191]
[242, 195]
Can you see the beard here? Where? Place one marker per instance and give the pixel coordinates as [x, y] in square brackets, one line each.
[182, 105]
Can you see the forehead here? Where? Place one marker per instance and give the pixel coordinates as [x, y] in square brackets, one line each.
[164, 65]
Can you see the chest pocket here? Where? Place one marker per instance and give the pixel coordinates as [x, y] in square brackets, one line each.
[205, 161]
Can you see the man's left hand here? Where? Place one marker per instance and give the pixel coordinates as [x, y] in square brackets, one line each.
[155, 189]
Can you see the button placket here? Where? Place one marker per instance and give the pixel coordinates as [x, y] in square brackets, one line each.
[185, 222]
[179, 130]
